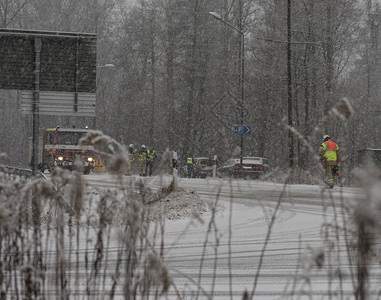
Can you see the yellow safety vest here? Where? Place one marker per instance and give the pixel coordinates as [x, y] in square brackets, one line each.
[151, 154]
[142, 156]
[131, 156]
[330, 149]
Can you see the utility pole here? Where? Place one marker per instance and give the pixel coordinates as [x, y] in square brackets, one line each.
[289, 88]
[242, 71]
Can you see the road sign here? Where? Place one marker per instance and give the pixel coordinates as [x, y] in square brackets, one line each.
[99, 166]
[242, 129]
[55, 70]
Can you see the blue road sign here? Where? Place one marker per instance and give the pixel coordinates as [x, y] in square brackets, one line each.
[242, 129]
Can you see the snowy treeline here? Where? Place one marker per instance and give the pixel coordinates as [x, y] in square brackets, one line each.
[176, 80]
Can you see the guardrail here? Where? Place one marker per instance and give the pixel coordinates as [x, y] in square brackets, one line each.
[23, 173]
[28, 174]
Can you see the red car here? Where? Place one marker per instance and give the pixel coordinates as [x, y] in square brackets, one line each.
[252, 167]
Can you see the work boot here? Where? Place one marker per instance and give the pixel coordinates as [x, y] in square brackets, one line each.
[331, 185]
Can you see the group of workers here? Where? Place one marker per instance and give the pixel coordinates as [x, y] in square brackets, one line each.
[144, 159]
[141, 161]
[193, 167]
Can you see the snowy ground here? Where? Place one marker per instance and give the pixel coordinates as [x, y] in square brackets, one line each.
[211, 239]
[223, 252]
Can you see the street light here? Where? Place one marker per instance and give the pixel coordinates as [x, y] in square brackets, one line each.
[106, 66]
[242, 63]
[101, 69]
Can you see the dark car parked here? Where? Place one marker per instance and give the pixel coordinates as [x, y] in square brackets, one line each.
[201, 167]
[252, 167]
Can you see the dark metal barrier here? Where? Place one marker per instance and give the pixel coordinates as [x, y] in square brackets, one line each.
[12, 171]
[25, 174]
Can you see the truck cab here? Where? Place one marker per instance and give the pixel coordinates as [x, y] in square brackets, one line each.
[59, 147]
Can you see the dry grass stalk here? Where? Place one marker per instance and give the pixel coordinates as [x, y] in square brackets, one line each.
[138, 266]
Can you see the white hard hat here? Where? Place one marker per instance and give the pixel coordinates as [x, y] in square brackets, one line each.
[131, 146]
[143, 146]
[326, 137]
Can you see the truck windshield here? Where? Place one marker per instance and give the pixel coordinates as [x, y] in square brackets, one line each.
[69, 138]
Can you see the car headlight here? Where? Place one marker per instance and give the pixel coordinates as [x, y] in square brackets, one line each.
[89, 159]
[60, 158]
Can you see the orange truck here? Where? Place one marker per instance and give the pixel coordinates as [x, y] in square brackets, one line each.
[59, 147]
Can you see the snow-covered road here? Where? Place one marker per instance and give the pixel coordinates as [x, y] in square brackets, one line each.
[233, 250]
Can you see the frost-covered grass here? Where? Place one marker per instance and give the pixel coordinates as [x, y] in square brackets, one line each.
[48, 252]
[59, 239]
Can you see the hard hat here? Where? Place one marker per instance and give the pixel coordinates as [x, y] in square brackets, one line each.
[143, 146]
[326, 137]
[131, 146]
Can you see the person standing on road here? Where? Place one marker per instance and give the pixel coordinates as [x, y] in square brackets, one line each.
[142, 157]
[132, 159]
[151, 157]
[190, 167]
[330, 156]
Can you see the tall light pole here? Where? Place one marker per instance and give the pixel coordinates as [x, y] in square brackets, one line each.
[289, 89]
[101, 69]
[242, 75]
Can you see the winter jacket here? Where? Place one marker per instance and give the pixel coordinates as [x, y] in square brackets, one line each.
[330, 153]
